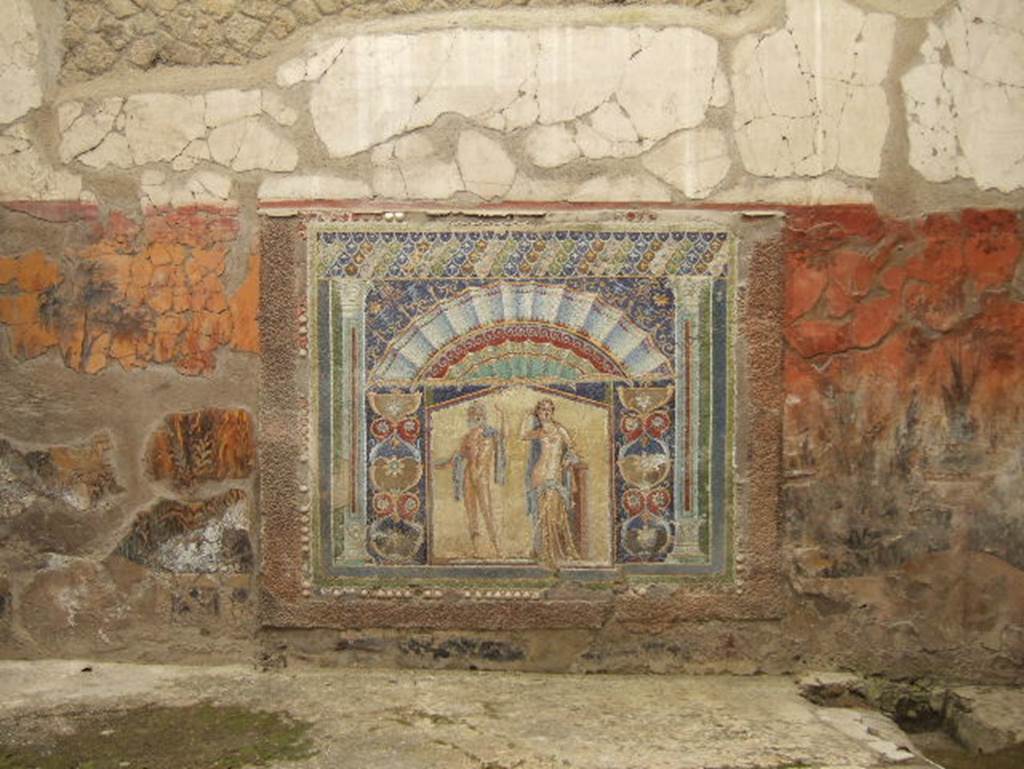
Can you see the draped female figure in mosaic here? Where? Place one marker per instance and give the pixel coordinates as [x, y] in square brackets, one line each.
[549, 485]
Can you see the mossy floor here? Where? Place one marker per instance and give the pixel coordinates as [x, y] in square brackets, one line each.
[949, 755]
[55, 715]
[1012, 758]
[201, 736]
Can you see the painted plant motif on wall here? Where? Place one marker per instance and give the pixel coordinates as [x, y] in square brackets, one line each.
[514, 403]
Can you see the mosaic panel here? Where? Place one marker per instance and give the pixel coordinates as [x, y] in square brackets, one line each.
[521, 404]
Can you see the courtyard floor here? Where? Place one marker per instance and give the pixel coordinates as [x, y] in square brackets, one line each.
[56, 714]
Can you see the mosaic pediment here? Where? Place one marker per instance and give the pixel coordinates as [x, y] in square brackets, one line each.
[499, 403]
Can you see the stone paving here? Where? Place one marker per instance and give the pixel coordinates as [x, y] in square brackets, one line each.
[398, 719]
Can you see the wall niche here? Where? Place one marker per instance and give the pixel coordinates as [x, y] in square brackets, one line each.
[544, 410]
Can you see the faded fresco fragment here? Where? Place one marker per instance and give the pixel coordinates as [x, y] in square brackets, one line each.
[57, 499]
[905, 417]
[516, 402]
[134, 294]
[208, 445]
[192, 537]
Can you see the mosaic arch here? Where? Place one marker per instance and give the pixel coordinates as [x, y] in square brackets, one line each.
[513, 403]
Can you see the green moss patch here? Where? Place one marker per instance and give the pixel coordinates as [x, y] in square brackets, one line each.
[203, 736]
[953, 758]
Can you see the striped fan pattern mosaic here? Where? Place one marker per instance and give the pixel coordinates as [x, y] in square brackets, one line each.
[532, 403]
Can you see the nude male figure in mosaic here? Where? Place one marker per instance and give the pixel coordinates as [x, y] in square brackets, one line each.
[481, 460]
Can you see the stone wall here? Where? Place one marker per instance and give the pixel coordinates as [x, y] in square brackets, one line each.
[876, 145]
[123, 35]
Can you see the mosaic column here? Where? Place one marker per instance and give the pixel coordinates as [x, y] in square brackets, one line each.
[686, 508]
[350, 420]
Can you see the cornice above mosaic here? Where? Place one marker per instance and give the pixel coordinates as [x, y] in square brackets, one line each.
[517, 253]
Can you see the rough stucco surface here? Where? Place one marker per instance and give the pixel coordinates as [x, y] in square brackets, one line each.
[126, 35]
[126, 508]
[151, 268]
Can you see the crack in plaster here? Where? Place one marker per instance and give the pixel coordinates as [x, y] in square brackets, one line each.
[824, 68]
[102, 133]
[399, 83]
[968, 68]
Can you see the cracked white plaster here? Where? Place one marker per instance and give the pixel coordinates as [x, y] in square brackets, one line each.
[965, 102]
[160, 125]
[67, 113]
[613, 124]
[594, 145]
[25, 174]
[210, 184]
[579, 69]
[291, 72]
[521, 113]
[112, 151]
[381, 86]
[608, 132]
[808, 97]
[231, 104]
[625, 187]
[668, 84]
[482, 73]
[694, 161]
[154, 190]
[19, 60]
[661, 80]
[318, 63]
[485, 166]
[313, 187]
[249, 144]
[550, 146]
[274, 105]
[409, 168]
[374, 88]
[310, 67]
[195, 153]
[82, 131]
[231, 127]
[202, 188]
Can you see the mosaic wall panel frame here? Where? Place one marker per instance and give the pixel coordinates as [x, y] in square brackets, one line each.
[521, 403]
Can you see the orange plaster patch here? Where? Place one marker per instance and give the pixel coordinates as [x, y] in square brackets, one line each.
[8, 270]
[245, 309]
[853, 272]
[817, 337]
[992, 248]
[873, 319]
[30, 337]
[804, 285]
[838, 301]
[36, 272]
[935, 331]
[120, 300]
